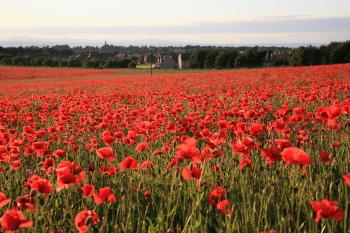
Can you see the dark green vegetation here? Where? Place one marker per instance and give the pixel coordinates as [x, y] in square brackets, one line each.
[334, 53]
[195, 57]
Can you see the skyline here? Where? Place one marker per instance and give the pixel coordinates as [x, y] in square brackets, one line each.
[140, 22]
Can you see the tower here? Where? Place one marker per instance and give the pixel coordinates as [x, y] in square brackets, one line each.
[179, 61]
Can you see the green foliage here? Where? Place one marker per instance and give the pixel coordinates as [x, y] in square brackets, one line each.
[93, 64]
[334, 53]
[74, 63]
[251, 58]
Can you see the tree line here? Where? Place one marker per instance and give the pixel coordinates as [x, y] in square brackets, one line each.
[228, 58]
[93, 63]
[197, 57]
[333, 53]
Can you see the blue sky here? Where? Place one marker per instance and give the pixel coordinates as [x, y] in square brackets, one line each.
[178, 21]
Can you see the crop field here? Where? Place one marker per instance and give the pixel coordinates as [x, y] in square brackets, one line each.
[250, 151]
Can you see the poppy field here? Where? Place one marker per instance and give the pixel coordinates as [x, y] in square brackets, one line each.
[261, 150]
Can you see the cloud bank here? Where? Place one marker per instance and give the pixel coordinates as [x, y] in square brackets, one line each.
[280, 30]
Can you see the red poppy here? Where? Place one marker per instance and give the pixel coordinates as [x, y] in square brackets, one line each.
[128, 163]
[42, 185]
[346, 178]
[88, 190]
[106, 153]
[48, 165]
[216, 195]
[14, 219]
[15, 165]
[84, 219]
[245, 162]
[41, 148]
[103, 195]
[325, 157]
[243, 147]
[144, 165]
[327, 209]
[141, 147]
[188, 173]
[147, 194]
[3, 200]
[108, 138]
[296, 156]
[59, 153]
[188, 150]
[225, 207]
[28, 130]
[26, 202]
[68, 174]
[272, 155]
[256, 129]
[106, 170]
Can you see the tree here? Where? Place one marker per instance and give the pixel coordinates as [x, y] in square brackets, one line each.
[226, 59]
[339, 52]
[251, 58]
[93, 63]
[198, 58]
[210, 58]
[74, 63]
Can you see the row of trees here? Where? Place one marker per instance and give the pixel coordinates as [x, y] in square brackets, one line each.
[334, 53]
[88, 63]
[209, 57]
[227, 58]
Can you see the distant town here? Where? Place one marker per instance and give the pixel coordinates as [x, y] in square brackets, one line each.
[172, 57]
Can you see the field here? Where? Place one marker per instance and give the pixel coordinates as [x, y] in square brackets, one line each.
[261, 150]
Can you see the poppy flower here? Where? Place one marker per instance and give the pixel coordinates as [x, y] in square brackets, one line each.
[346, 178]
[26, 202]
[216, 195]
[144, 165]
[245, 162]
[272, 155]
[28, 130]
[14, 219]
[225, 207]
[108, 138]
[188, 150]
[256, 129]
[188, 173]
[3, 200]
[103, 195]
[59, 153]
[84, 219]
[68, 174]
[327, 209]
[106, 153]
[282, 143]
[42, 185]
[296, 156]
[243, 147]
[325, 157]
[88, 190]
[48, 165]
[41, 148]
[15, 165]
[147, 194]
[141, 147]
[128, 163]
[106, 170]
